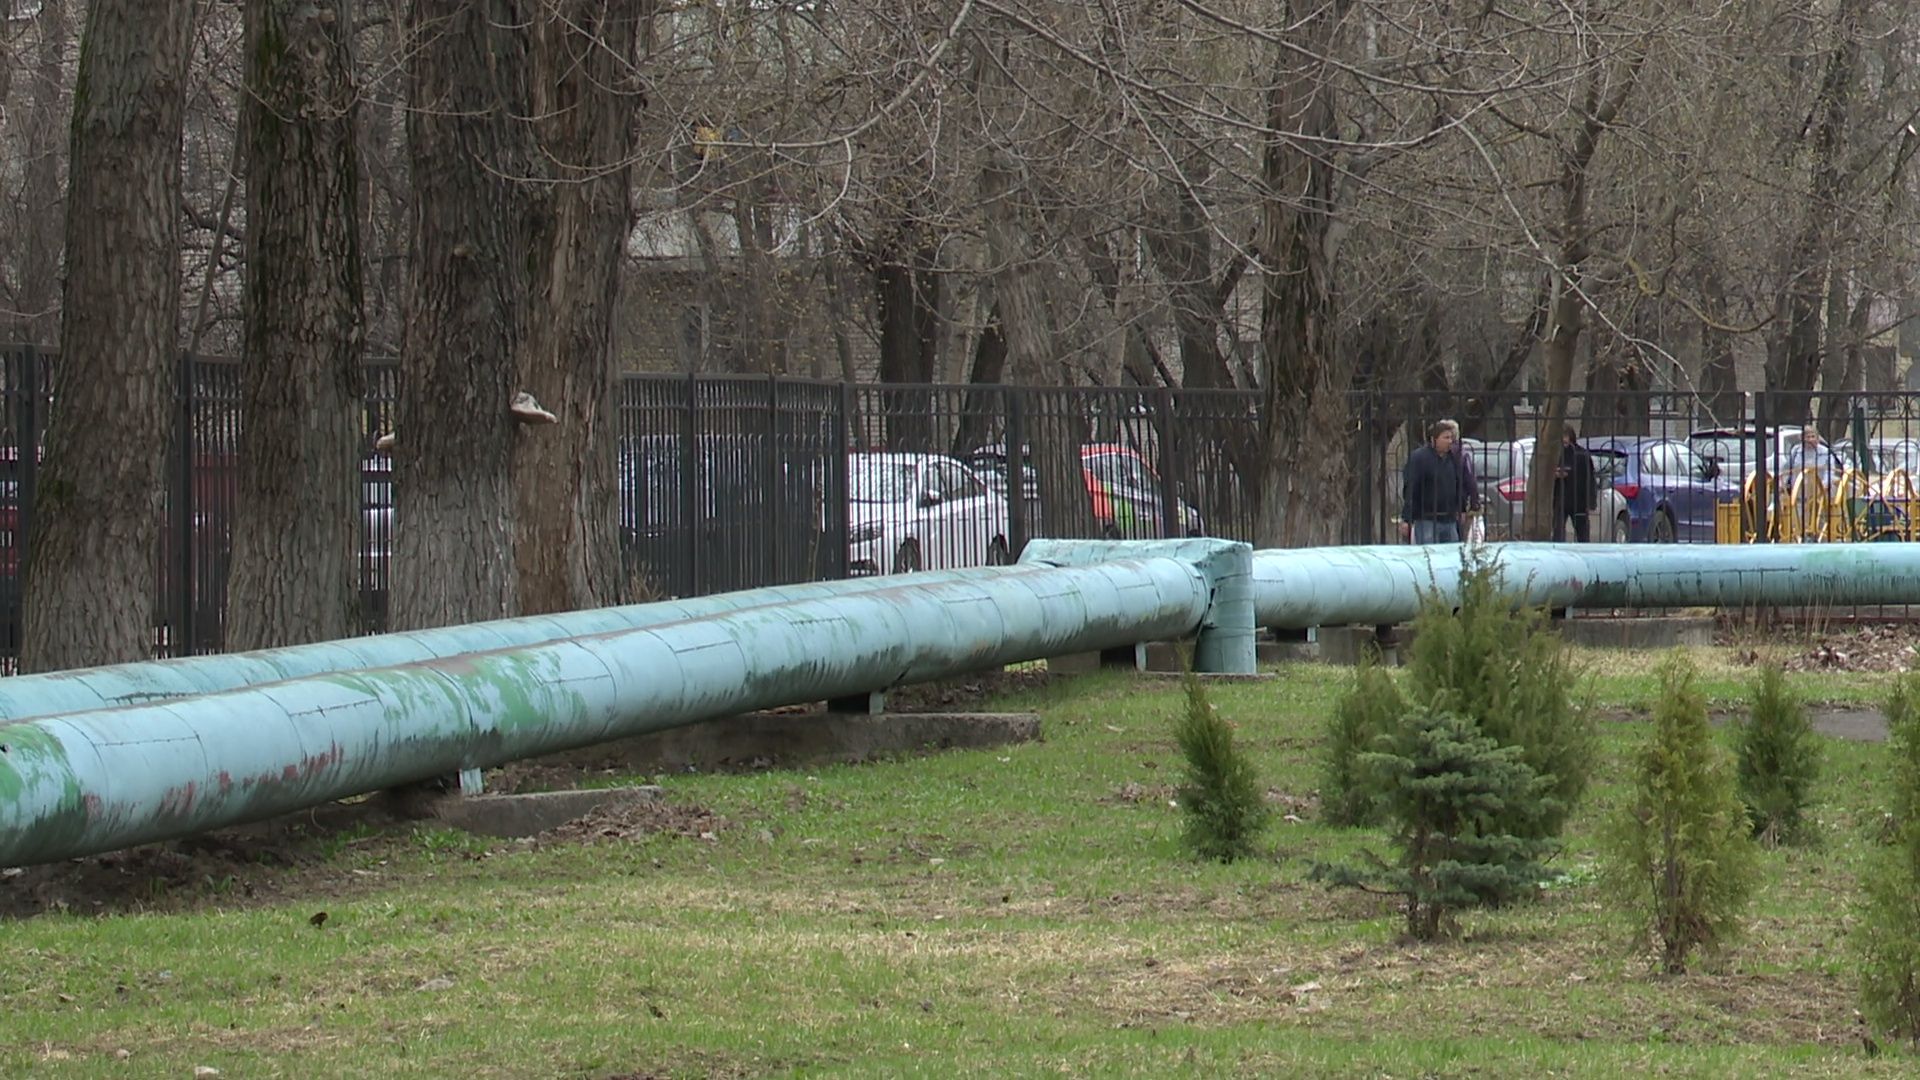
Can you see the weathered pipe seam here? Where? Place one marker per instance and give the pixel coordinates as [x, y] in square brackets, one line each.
[1225, 641]
[95, 781]
[51, 694]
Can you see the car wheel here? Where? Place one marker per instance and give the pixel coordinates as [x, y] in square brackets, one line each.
[1622, 528]
[907, 559]
[997, 553]
[1662, 529]
[1110, 531]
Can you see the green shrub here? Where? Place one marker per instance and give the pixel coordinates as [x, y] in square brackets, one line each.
[1224, 801]
[1777, 758]
[1444, 788]
[1679, 856]
[1501, 666]
[1368, 709]
[1887, 933]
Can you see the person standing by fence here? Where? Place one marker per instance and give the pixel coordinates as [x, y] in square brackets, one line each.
[1576, 492]
[1432, 501]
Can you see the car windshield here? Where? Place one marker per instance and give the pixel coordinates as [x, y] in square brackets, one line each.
[881, 481]
[1606, 466]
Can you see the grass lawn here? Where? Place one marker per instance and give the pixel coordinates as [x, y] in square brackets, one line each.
[1013, 912]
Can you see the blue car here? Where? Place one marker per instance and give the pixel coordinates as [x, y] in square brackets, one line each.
[1668, 491]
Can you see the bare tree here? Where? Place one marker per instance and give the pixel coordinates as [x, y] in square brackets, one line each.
[467, 314]
[302, 383]
[585, 90]
[90, 580]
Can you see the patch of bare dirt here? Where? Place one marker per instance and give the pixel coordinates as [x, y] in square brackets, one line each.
[1879, 647]
[628, 818]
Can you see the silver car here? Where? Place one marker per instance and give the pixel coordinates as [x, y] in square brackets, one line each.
[1501, 470]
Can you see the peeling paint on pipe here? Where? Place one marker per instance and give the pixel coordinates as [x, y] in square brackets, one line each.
[25, 696]
[154, 751]
[99, 780]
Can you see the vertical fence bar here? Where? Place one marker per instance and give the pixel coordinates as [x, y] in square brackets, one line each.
[771, 498]
[1763, 495]
[179, 602]
[838, 510]
[1016, 470]
[687, 551]
[1170, 487]
[28, 387]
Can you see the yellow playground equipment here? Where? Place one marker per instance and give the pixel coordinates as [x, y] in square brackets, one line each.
[1802, 509]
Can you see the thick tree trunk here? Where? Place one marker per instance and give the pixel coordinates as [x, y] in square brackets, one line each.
[467, 313]
[1182, 250]
[1806, 269]
[1303, 481]
[1053, 434]
[978, 415]
[91, 573]
[565, 545]
[294, 576]
[906, 289]
[1606, 93]
[1719, 383]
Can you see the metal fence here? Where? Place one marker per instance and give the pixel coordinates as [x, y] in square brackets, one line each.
[732, 482]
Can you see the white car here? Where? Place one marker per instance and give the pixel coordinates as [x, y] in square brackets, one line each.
[910, 512]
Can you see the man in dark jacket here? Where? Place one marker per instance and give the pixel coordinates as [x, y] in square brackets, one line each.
[1431, 495]
[1575, 492]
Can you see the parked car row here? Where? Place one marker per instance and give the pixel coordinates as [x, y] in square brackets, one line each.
[1128, 500]
[1651, 489]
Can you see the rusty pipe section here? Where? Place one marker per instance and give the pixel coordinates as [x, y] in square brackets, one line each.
[1299, 588]
[25, 696]
[103, 779]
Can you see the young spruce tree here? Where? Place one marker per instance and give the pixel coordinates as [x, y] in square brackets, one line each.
[1222, 796]
[1679, 856]
[1369, 708]
[1887, 935]
[1500, 665]
[1445, 789]
[1778, 759]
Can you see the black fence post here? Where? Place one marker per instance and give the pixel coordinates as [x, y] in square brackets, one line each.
[1016, 471]
[26, 462]
[180, 573]
[1762, 493]
[1172, 519]
[690, 501]
[837, 509]
[774, 490]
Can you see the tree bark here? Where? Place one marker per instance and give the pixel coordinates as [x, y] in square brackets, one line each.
[294, 576]
[1182, 250]
[40, 244]
[1304, 461]
[1806, 264]
[467, 314]
[566, 549]
[91, 572]
[1568, 309]
[1053, 435]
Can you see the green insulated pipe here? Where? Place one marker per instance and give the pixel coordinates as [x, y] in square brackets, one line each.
[99, 780]
[97, 760]
[1308, 587]
[25, 696]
